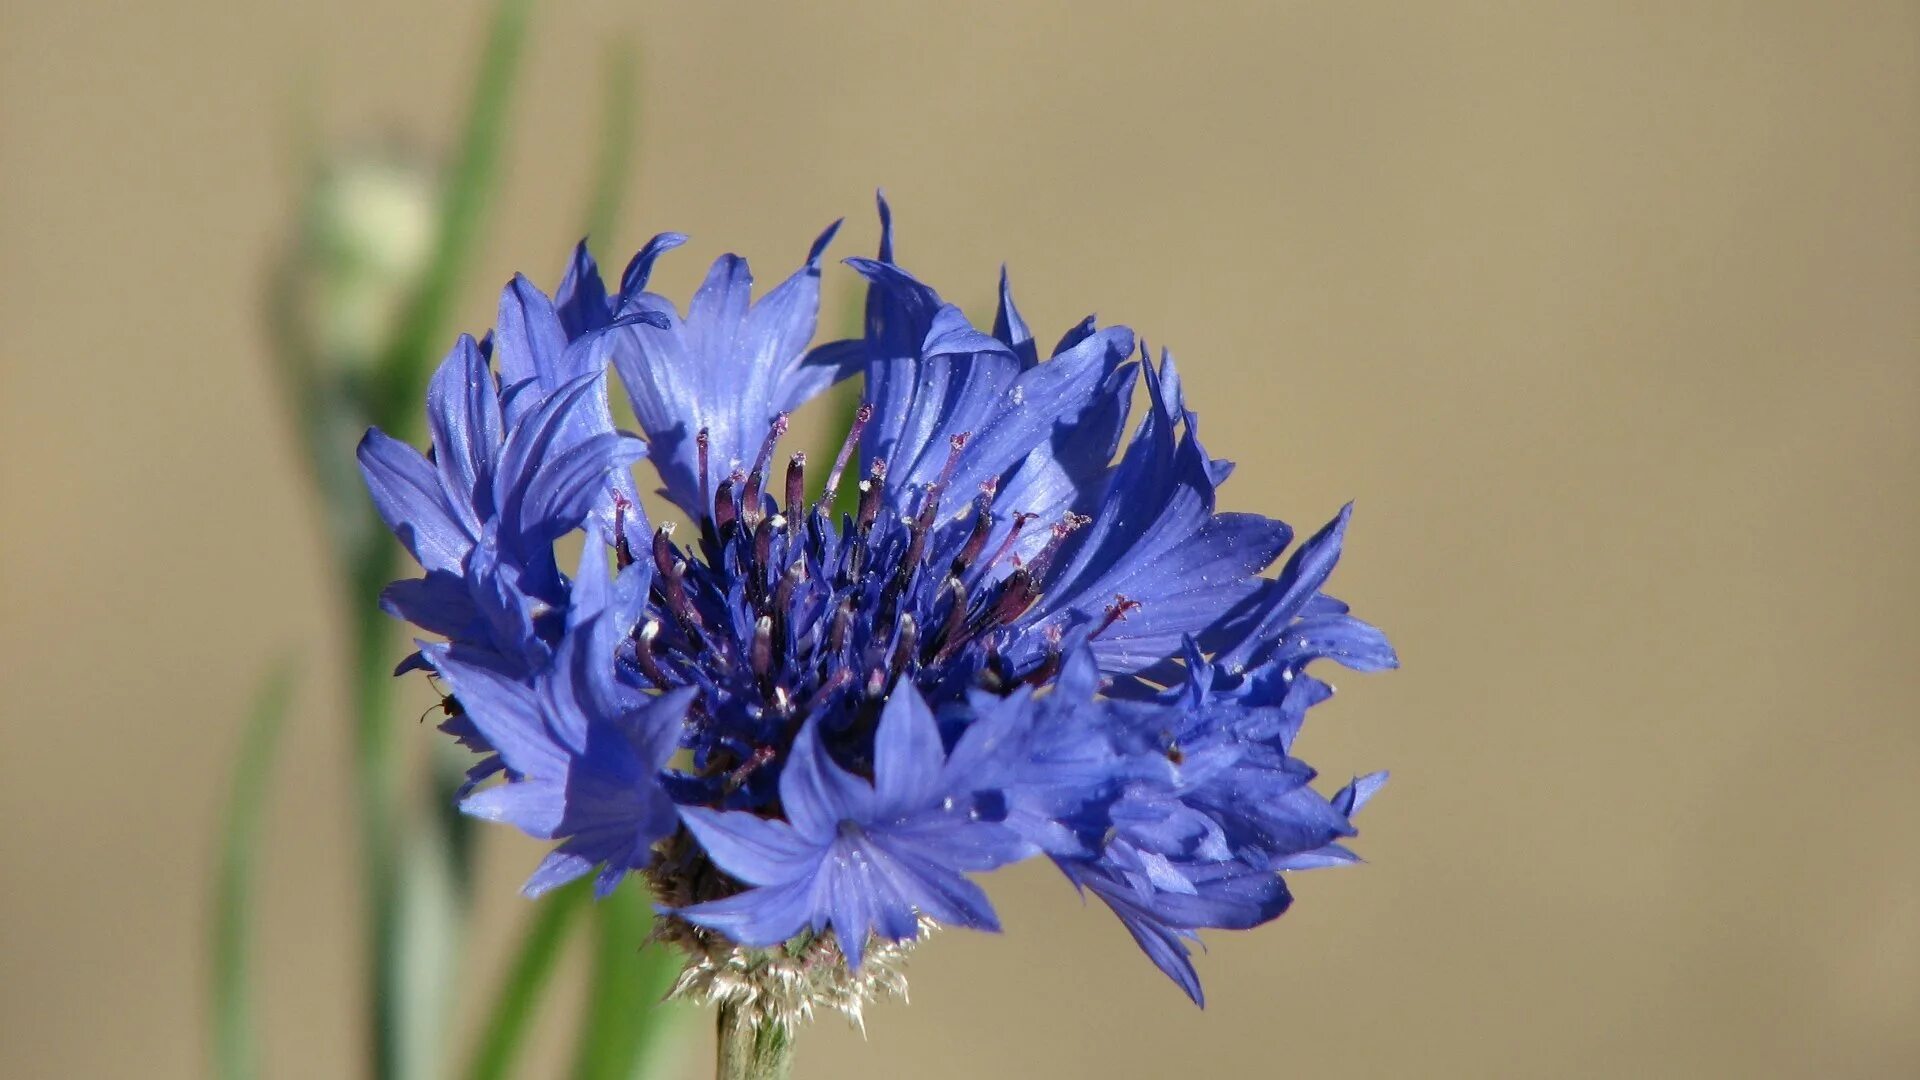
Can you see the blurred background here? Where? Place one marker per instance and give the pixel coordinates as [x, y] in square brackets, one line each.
[1607, 315]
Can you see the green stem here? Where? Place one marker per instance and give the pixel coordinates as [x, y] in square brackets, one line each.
[512, 1017]
[377, 780]
[236, 1056]
[749, 1051]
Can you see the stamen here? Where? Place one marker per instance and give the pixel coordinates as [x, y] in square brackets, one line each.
[702, 441]
[1062, 529]
[954, 446]
[1017, 593]
[663, 553]
[1020, 520]
[870, 490]
[860, 418]
[903, 652]
[916, 546]
[643, 654]
[763, 545]
[677, 602]
[725, 509]
[760, 657]
[790, 581]
[1116, 612]
[750, 502]
[833, 684]
[622, 550]
[1044, 672]
[982, 528]
[953, 631]
[842, 626]
[760, 756]
[796, 484]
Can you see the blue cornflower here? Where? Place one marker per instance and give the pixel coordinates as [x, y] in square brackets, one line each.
[807, 729]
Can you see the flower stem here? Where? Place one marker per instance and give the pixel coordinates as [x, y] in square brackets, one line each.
[750, 1051]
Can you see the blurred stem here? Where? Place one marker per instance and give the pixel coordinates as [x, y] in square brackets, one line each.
[618, 112]
[469, 185]
[377, 780]
[749, 1051]
[624, 992]
[506, 1027]
[235, 1049]
[400, 384]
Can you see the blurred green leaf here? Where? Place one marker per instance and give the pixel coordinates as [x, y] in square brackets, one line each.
[431, 925]
[235, 1049]
[400, 380]
[619, 111]
[469, 187]
[506, 1027]
[625, 1013]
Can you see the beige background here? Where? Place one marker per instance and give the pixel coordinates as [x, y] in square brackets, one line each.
[1606, 314]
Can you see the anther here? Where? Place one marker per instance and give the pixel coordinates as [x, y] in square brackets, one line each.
[796, 484]
[870, 490]
[1116, 612]
[1062, 529]
[761, 654]
[663, 554]
[790, 581]
[977, 538]
[953, 631]
[841, 628]
[954, 446]
[702, 441]
[724, 509]
[643, 654]
[1020, 520]
[763, 543]
[860, 418]
[677, 602]
[760, 756]
[831, 686]
[1044, 672]
[750, 502]
[903, 651]
[1016, 595]
[622, 551]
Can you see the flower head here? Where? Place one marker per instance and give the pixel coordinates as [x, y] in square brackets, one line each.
[1034, 635]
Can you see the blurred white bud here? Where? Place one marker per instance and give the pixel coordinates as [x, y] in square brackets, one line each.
[368, 233]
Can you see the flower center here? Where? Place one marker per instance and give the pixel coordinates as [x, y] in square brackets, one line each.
[779, 612]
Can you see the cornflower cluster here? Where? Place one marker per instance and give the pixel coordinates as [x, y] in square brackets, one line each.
[1032, 634]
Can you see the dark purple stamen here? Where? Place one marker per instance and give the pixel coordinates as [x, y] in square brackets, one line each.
[860, 418]
[1116, 612]
[702, 441]
[643, 654]
[622, 550]
[796, 485]
[750, 502]
[870, 491]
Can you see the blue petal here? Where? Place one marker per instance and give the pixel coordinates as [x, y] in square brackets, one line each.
[463, 414]
[907, 755]
[729, 368]
[529, 343]
[581, 300]
[1010, 328]
[753, 849]
[817, 794]
[758, 917]
[407, 494]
